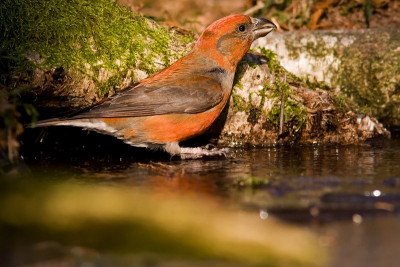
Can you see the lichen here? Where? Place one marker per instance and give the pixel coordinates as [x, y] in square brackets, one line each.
[361, 66]
[368, 75]
[315, 45]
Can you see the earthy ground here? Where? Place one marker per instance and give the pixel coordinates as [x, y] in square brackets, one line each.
[289, 15]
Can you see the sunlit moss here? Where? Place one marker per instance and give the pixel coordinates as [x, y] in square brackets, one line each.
[294, 113]
[83, 34]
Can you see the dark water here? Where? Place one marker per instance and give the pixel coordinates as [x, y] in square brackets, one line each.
[349, 196]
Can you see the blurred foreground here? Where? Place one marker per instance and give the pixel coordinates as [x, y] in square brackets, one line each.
[91, 199]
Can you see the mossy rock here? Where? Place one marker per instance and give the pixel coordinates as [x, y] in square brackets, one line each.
[62, 57]
[312, 114]
[362, 66]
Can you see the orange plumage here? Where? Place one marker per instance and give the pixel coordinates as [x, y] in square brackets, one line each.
[181, 101]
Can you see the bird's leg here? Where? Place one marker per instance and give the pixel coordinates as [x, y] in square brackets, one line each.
[196, 152]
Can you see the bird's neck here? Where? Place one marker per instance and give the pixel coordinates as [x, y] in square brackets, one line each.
[227, 62]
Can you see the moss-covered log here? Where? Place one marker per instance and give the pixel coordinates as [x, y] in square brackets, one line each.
[65, 57]
[362, 65]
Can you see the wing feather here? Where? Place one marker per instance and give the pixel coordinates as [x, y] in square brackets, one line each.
[191, 97]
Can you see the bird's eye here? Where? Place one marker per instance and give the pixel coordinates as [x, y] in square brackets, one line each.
[242, 28]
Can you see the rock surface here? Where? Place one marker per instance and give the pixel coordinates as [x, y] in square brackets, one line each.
[311, 114]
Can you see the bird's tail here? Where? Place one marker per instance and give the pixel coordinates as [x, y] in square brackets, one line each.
[43, 123]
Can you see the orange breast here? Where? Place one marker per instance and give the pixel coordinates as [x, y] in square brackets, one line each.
[163, 129]
[177, 127]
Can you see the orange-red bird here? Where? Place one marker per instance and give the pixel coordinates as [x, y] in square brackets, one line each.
[181, 101]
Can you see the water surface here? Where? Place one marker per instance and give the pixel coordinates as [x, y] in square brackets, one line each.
[348, 196]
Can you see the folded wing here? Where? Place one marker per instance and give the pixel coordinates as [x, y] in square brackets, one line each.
[150, 99]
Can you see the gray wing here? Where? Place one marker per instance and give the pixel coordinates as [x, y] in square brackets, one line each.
[148, 100]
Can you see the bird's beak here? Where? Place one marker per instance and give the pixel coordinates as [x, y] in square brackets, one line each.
[261, 27]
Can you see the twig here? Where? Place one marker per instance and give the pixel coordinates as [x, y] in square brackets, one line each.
[258, 6]
[282, 109]
[10, 145]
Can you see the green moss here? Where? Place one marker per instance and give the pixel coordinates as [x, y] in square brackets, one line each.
[240, 70]
[237, 101]
[186, 38]
[275, 66]
[314, 84]
[340, 103]
[294, 113]
[368, 75]
[100, 33]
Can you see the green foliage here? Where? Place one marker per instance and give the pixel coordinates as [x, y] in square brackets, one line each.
[250, 181]
[316, 84]
[85, 34]
[9, 115]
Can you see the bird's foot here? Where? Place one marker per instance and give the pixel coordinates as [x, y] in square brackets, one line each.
[199, 152]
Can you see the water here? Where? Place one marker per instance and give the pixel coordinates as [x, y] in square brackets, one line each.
[348, 196]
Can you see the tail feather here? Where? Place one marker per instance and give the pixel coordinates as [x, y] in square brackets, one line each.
[44, 123]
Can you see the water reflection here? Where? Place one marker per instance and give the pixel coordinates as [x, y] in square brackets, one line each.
[344, 193]
[294, 176]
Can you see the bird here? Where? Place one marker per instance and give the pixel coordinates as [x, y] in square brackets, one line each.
[181, 101]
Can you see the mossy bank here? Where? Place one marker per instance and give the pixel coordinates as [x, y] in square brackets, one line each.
[65, 57]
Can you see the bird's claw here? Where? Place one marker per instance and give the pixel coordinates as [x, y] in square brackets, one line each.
[209, 146]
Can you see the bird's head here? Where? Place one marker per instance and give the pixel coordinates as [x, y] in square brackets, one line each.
[228, 39]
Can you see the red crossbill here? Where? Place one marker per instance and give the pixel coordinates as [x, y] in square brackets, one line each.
[181, 101]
